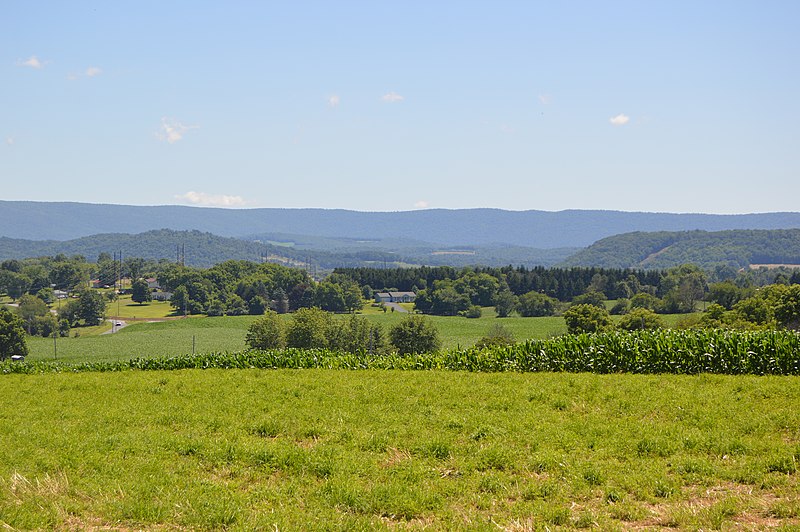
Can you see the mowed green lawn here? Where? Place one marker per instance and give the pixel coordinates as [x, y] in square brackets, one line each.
[322, 449]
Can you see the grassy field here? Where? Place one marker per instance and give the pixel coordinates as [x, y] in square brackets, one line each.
[124, 308]
[317, 449]
[227, 334]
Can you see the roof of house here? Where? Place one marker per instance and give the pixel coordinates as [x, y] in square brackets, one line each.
[396, 294]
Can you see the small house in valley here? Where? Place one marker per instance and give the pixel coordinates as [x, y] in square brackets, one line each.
[395, 297]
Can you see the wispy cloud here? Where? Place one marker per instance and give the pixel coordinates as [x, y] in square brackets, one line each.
[93, 71]
[172, 131]
[32, 62]
[10, 140]
[545, 99]
[333, 100]
[421, 204]
[619, 120]
[211, 200]
[392, 97]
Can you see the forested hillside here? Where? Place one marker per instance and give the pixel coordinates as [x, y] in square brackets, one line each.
[739, 249]
[206, 249]
[461, 227]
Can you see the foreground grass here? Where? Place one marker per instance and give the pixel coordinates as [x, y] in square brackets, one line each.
[328, 449]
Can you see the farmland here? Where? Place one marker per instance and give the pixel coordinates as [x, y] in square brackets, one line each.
[341, 450]
[227, 334]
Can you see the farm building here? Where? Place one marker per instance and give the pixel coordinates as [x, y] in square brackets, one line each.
[395, 297]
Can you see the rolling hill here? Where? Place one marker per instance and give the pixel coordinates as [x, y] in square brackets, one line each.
[463, 227]
[737, 248]
[206, 249]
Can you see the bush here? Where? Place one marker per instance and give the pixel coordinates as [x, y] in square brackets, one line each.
[267, 332]
[590, 298]
[535, 304]
[620, 307]
[309, 329]
[472, 312]
[587, 318]
[414, 335]
[640, 318]
[504, 303]
[497, 335]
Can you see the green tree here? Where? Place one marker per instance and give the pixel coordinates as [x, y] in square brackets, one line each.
[788, 309]
[330, 296]
[256, 306]
[504, 303]
[267, 332]
[12, 335]
[645, 300]
[640, 318]
[91, 307]
[591, 297]
[755, 310]
[66, 275]
[140, 292]
[586, 318]
[236, 306]
[180, 300]
[726, 293]
[535, 304]
[16, 285]
[309, 329]
[683, 287]
[29, 308]
[415, 334]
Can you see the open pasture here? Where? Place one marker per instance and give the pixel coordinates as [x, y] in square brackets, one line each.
[321, 449]
[227, 333]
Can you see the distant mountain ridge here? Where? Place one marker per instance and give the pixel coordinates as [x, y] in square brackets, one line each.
[204, 249]
[736, 248]
[536, 229]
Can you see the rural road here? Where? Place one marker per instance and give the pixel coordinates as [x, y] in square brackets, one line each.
[114, 328]
[396, 306]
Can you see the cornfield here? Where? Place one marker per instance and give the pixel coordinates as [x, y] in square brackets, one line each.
[659, 351]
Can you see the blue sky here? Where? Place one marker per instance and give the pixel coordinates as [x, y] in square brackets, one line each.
[674, 106]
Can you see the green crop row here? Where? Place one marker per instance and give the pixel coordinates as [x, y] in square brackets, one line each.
[659, 351]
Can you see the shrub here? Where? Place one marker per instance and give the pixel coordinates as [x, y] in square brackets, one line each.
[473, 311]
[536, 304]
[415, 334]
[309, 329]
[640, 318]
[590, 298]
[497, 335]
[267, 332]
[620, 307]
[587, 318]
[504, 303]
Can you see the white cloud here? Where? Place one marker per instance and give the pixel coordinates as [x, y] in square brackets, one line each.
[619, 120]
[333, 100]
[545, 99]
[392, 97]
[10, 140]
[32, 62]
[211, 200]
[172, 131]
[93, 71]
[421, 204]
